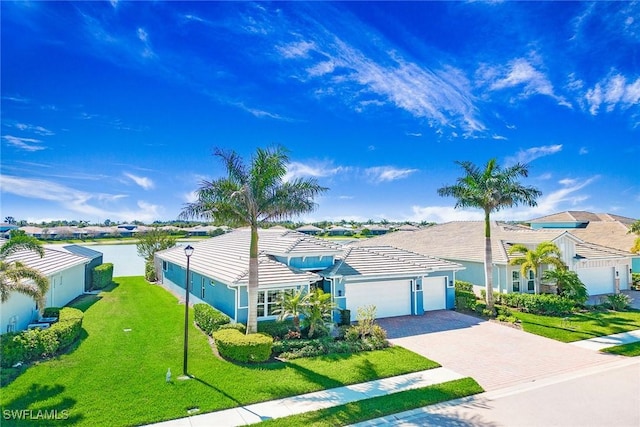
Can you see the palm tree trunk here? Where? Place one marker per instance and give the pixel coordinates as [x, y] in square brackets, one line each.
[488, 261]
[252, 289]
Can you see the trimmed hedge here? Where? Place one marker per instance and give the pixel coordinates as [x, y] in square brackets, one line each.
[545, 304]
[34, 344]
[233, 344]
[102, 275]
[208, 318]
[51, 312]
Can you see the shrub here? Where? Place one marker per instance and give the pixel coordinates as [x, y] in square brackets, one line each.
[463, 286]
[617, 302]
[345, 317]
[208, 318]
[150, 271]
[237, 326]
[276, 329]
[233, 344]
[546, 304]
[33, 344]
[465, 300]
[102, 275]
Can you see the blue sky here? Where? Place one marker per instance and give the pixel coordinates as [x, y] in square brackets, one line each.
[111, 110]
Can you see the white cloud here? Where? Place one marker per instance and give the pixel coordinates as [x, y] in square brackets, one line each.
[530, 154]
[27, 144]
[98, 206]
[142, 181]
[611, 92]
[314, 170]
[295, 50]
[442, 214]
[190, 197]
[583, 151]
[39, 130]
[387, 173]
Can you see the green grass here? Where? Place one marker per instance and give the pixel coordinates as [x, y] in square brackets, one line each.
[117, 378]
[580, 326]
[380, 406]
[630, 350]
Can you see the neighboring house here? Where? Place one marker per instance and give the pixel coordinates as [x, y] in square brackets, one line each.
[395, 281]
[6, 228]
[66, 274]
[310, 229]
[602, 269]
[407, 227]
[94, 258]
[338, 230]
[377, 230]
[603, 229]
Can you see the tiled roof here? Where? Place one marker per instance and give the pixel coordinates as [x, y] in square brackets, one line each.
[464, 241]
[82, 251]
[226, 257]
[52, 262]
[386, 261]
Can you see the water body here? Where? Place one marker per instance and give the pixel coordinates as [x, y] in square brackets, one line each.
[124, 258]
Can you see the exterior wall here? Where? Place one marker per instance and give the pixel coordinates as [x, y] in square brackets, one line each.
[21, 310]
[570, 224]
[65, 286]
[635, 264]
[307, 263]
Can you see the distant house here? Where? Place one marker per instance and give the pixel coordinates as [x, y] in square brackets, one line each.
[602, 269]
[66, 274]
[397, 282]
[310, 229]
[6, 228]
[407, 227]
[377, 230]
[338, 230]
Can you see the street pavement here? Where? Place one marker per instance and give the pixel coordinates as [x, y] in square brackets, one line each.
[598, 396]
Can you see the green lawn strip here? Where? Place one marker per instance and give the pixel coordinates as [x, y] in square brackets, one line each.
[630, 350]
[376, 407]
[580, 326]
[134, 331]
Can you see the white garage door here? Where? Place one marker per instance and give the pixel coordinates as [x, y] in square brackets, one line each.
[597, 280]
[434, 292]
[392, 298]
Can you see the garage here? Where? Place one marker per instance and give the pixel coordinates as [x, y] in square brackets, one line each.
[624, 277]
[598, 280]
[391, 298]
[434, 293]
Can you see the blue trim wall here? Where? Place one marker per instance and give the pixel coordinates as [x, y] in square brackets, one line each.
[635, 264]
[570, 224]
[307, 263]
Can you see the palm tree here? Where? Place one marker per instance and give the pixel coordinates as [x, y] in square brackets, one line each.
[490, 189]
[568, 283]
[291, 305]
[17, 277]
[316, 309]
[251, 195]
[546, 253]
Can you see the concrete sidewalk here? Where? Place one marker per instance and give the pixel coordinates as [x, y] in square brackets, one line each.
[598, 343]
[313, 401]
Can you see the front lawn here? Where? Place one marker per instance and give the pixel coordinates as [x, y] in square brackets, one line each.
[377, 407]
[133, 332]
[630, 350]
[579, 326]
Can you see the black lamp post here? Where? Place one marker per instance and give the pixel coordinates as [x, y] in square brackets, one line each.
[188, 251]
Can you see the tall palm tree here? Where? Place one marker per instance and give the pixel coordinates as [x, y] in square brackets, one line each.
[490, 189]
[546, 253]
[251, 195]
[17, 277]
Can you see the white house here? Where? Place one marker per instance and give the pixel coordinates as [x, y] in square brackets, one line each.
[66, 274]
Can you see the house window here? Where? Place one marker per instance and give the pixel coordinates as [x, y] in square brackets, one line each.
[531, 283]
[268, 302]
[202, 287]
[515, 281]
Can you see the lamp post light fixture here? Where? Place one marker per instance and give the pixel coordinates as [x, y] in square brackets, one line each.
[188, 251]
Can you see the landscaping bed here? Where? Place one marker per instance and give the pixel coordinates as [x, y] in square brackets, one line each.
[133, 333]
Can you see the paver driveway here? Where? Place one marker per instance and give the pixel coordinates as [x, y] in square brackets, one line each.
[495, 355]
